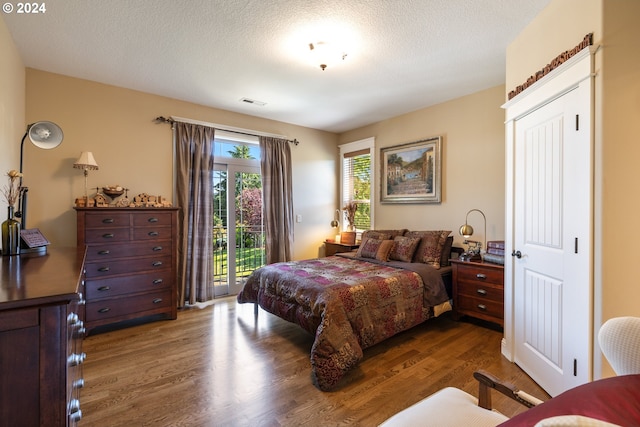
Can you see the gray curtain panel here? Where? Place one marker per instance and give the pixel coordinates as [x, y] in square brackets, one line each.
[194, 180]
[275, 165]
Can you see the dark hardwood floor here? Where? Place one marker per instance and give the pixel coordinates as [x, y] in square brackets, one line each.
[219, 366]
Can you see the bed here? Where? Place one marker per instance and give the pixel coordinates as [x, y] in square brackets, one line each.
[352, 301]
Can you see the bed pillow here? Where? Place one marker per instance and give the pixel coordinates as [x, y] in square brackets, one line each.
[375, 234]
[404, 248]
[431, 244]
[375, 249]
[446, 252]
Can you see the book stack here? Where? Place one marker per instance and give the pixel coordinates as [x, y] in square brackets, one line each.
[495, 252]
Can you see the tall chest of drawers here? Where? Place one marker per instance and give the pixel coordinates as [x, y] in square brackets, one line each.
[131, 263]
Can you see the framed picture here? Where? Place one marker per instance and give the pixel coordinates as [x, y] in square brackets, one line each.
[411, 173]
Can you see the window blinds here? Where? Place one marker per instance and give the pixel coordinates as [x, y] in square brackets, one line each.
[356, 172]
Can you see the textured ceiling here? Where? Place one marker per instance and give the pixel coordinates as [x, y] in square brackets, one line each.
[402, 55]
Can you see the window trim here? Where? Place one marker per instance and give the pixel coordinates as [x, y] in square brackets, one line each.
[351, 149]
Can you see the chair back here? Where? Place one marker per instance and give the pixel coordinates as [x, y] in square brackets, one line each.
[620, 343]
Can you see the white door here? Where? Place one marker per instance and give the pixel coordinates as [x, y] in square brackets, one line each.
[552, 242]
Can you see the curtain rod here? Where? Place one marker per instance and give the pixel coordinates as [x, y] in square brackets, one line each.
[241, 131]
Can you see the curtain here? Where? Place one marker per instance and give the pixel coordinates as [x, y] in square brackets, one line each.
[275, 165]
[194, 179]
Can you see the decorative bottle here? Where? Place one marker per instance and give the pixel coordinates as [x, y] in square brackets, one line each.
[10, 234]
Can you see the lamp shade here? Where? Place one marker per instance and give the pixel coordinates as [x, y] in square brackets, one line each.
[86, 161]
[466, 231]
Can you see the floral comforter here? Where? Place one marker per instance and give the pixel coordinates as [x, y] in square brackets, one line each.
[349, 304]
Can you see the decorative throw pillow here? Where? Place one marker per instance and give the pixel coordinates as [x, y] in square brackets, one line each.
[404, 248]
[430, 247]
[375, 249]
[386, 247]
[368, 247]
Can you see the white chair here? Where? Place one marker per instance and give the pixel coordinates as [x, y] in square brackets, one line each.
[450, 407]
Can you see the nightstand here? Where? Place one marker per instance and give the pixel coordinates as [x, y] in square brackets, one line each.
[478, 290]
[332, 248]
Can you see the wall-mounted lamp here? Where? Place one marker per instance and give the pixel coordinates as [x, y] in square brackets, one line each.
[326, 54]
[45, 135]
[336, 219]
[475, 247]
[86, 162]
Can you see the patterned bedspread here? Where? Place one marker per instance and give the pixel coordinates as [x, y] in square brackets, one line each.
[348, 304]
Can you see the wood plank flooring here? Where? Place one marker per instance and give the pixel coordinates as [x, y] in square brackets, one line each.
[219, 366]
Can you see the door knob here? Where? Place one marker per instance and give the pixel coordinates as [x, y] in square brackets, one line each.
[516, 254]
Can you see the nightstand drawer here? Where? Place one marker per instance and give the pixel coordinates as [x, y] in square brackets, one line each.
[476, 273]
[486, 307]
[485, 291]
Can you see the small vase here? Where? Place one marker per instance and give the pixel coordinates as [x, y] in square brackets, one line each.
[10, 234]
[351, 227]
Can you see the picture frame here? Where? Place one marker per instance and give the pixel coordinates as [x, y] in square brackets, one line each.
[412, 172]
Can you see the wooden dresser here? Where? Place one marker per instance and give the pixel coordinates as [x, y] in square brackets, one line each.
[131, 264]
[478, 290]
[41, 331]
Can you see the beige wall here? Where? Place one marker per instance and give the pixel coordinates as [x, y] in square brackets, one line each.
[617, 126]
[132, 150]
[12, 108]
[472, 128]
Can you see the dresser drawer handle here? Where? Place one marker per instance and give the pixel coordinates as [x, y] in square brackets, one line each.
[481, 276]
[157, 300]
[157, 281]
[104, 310]
[157, 248]
[104, 288]
[108, 235]
[153, 219]
[157, 263]
[482, 306]
[153, 233]
[104, 252]
[108, 221]
[481, 291]
[76, 359]
[104, 269]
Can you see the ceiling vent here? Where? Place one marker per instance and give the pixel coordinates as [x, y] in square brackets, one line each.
[253, 101]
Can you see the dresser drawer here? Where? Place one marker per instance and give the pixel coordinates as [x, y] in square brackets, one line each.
[128, 307]
[471, 305]
[485, 291]
[127, 266]
[152, 233]
[107, 219]
[102, 252]
[122, 285]
[107, 235]
[480, 274]
[152, 219]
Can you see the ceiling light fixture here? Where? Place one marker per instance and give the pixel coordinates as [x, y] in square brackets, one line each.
[326, 54]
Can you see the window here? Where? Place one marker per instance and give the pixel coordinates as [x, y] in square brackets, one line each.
[357, 179]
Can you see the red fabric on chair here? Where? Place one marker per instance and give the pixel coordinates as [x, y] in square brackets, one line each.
[615, 400]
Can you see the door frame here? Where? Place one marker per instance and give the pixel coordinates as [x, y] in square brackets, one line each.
[577, 71]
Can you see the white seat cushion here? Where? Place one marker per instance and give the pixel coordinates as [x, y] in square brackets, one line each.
[449, 407]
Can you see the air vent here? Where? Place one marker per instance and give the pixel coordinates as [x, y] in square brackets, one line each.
[253, 101]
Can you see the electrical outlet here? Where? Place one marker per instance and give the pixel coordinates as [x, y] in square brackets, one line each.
[298, 218]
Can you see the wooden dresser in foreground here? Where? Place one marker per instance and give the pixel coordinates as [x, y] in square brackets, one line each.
[41, 331]
[478, 290]
[131, 264]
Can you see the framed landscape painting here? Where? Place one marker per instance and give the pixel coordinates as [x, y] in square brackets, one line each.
[411, 173]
